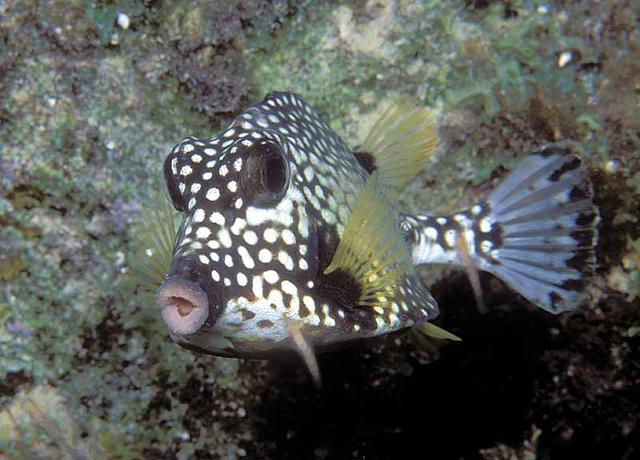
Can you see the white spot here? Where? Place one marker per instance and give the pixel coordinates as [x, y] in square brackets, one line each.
[256, 286]
[215, 275]
[486, 246]
[264, 256]
[309, 303]
[196, 158]
[288, 236]
[229, 133]
[238, 203]
[227, 282]
[242, 279]
[204, 259]
[303, 264]
[195, 187]
[310, 284]
[209, 151]
[431, 233]
[203, 233]
[214, 256]
[213, 194]
[328, 320]
[285, 259]
[289, 288]
[271, 276]
[460, 218]
[247, 260]
[225, 238]
[223, 170]
[356, 327]
[250, 237]
[450, 237]
[237, 164]
[207, 176]
[198, 215]
[186, 148]
[238, 225]
[213, 244]
[270, 235]
[477, 209]
[228, 261]
[182, 187]
[186, 170]
[308, 173]
[485, 225]
[442, 220]
[191, 204]
[217, 218]
[232, 186]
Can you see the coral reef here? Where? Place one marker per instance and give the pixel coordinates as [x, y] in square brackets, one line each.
[93, 94]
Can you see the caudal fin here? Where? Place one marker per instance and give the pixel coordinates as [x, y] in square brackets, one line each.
[541, 228]
[536, 231]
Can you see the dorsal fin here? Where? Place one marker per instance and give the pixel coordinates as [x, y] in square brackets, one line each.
[400, 143]
[371, 248]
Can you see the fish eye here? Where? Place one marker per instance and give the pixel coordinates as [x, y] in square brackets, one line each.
[275, 172]
[267, 173]
[172, 185]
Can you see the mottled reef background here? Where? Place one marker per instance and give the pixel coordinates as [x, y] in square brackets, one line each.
[88, 110]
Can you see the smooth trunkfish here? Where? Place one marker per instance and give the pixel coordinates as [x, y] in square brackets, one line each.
[290, 240]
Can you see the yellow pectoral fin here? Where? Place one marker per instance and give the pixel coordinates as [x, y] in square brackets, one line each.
[401, 142]
[431, 330]
[371, 248]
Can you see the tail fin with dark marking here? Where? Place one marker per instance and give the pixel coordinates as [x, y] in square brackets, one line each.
[536, 231]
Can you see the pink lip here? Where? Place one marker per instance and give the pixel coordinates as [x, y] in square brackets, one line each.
[184, 305]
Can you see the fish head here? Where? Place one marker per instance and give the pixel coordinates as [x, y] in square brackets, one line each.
[246, 256]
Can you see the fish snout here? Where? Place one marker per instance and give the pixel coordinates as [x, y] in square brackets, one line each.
[182, 298]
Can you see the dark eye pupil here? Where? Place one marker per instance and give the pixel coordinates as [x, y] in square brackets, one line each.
[274, 174]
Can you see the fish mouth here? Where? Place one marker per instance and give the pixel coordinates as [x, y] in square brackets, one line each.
[184, 305]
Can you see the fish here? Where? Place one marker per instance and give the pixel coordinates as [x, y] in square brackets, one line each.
[287, 239]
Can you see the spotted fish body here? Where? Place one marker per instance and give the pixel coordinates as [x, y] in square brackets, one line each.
[266, 205]
[260, 259]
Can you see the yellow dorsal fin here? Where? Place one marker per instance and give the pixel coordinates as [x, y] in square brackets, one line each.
[371, 248]
[401, 142]
[436, 332]
[153, 244]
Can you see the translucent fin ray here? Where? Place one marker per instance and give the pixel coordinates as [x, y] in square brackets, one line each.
[153, 245]
[401, 142]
